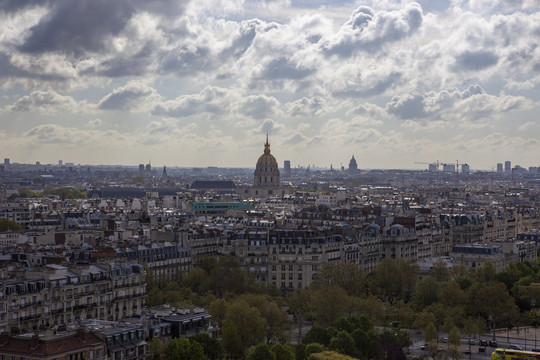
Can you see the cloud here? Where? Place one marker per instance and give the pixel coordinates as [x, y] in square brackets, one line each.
[48, 102]
[94, 123]
[475, 60]
[368, 30]
[471, 104]
[259, 106]
[211, 100]
[76, 28]
[56, 135]
[529, 125]
[135, 96]
[314, 106]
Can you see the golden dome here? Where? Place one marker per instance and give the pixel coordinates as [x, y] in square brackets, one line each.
[267, 171]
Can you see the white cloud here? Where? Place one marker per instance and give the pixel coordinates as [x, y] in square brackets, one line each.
[135, 96]
[48, 102]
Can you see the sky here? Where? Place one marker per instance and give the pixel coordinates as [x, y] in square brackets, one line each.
[201, 82]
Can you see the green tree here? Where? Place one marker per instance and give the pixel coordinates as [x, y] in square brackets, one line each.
[313, 348]
[282, 352]
[394, 278]
[156, 349]
[454, 339]
[343, 343]
[427, 293]
[218, 310]
[277, 321]
[212, 347]
[364, 342]
[183, 349]
[301, 305]
[440, 271]
[317, 334]
[430, 333]
[249, 324]
[329, 355]
[346, 275]
[329, 304]
[232, 343]
[7, 225]
[261, 352]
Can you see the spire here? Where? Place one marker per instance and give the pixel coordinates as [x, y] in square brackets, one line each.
[267, 146]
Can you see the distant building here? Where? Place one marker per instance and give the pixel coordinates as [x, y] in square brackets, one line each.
[465, 168]
[353, 167]
[6, 162]
[499, 167]
[141, 167]
[266, 177]
[449, 168]
[507, 166]
[432, 167]
[287, 167]
[148, 167]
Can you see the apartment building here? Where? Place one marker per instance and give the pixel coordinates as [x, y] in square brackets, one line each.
[57, 295]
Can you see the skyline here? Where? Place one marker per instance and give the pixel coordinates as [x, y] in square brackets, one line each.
[199, 84]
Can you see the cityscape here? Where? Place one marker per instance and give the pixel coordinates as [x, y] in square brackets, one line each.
[269, 180]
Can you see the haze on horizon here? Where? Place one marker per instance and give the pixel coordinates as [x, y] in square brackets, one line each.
[200, 83]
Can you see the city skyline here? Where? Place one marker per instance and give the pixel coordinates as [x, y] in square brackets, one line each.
[201, 83]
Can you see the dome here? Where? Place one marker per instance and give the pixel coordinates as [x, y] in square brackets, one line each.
[266, 171]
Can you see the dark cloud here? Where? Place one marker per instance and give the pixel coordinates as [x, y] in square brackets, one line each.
[407, 106]
[259, 106]
[78, 27]
[187, 60]
[475, 60]
[130, 97]
[282, 68]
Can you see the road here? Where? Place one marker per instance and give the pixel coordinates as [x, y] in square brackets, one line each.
[527, 338]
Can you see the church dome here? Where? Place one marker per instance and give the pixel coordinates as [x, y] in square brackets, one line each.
[266, 171]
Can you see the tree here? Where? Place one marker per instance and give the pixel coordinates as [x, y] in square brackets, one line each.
[346, 275]
[394, 278]
[364, 342]
[318, 335]
[156, 349]
[313, 348]
[427, 293]
[454, 339]
[250, 325]
[440, 271]
[277, 321]
[232, 343]
[343, 343]
[212, 347]
[329, 355]
[430, 333]
[261, 352]
[218, 310]
[300, 304]
[7, 225]
[329, 304]
[183, 349]
[282, 352]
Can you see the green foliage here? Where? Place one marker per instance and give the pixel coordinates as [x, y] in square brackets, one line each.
[156, 349]
[364, 341]
[329, 304]
[430, 333]
[249, 324]
[261, 352]
[394, 278]
[329, 355]
[183, 349]
[7, 225]
[318, 335]
[313, 348]
[454, 337]
[343, 343]
[345, 275]
[283, 352]
[212, 347]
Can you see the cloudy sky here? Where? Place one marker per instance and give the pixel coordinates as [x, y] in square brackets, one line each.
[200, 83]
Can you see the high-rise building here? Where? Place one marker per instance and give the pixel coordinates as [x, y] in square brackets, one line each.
[449, 168]
[499, 167]
[6, 161]
[432, 167]
[507, 166]
[465, 169]
[148, 167]
[141, 167]
[287, 167]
